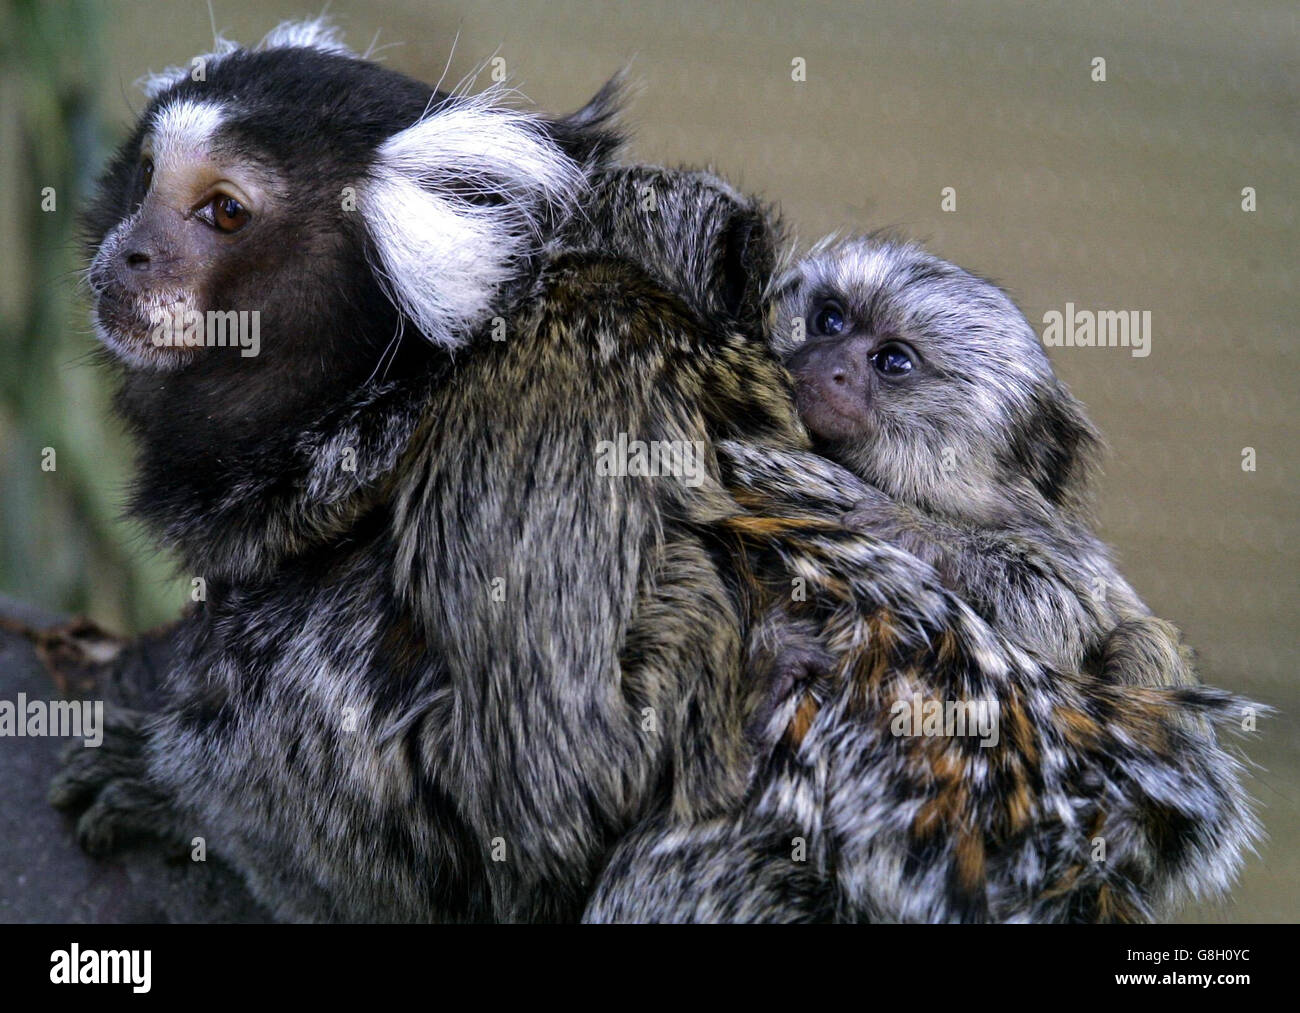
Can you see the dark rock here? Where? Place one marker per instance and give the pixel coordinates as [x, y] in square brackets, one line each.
[44, 876]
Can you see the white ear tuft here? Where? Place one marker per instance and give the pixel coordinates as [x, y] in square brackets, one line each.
[316, 33]
[443, 256]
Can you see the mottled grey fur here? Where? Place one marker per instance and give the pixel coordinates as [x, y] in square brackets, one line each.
[1095, 744]
[866, 824]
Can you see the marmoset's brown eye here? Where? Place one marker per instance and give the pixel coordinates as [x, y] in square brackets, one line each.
[228, 214]
[146, 172]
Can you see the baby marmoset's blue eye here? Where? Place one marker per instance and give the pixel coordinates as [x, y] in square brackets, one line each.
[829, 319]
[893, 360]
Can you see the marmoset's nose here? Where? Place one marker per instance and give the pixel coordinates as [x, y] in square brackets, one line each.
[148, 249]
[840, 365]
[832, 380]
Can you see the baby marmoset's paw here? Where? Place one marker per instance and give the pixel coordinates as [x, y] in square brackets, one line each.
[789, 674]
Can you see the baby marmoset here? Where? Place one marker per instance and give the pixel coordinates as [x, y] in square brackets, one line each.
[927, 383]
[930, 385]
[990, 726]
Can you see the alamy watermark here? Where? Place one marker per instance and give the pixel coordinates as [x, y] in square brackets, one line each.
[681, 459]
[240, 329]
[946, 718]
[1098, 329]
[75, 966]
[75, 719]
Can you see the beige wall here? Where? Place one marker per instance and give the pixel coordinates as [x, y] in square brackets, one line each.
[1116, 195]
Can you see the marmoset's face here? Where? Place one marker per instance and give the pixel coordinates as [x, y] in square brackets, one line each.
[845, 368]
[222, 228]
[924, 379]
[204, 221]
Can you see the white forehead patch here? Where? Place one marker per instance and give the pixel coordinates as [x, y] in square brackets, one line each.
[182, 132]
[154, 84]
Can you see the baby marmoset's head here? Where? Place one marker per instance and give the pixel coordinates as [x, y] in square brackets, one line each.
[928, 382]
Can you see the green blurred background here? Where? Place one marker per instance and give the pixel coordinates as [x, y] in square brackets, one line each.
[1122, 194]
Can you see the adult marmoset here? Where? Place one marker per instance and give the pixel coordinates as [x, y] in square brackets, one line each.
[442, 662]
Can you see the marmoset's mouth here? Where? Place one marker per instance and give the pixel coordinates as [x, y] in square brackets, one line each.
[829, 412]
[124, 328]
[121, 315]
